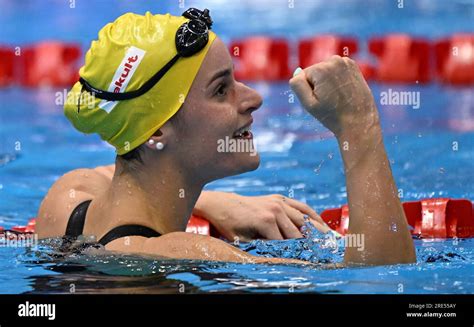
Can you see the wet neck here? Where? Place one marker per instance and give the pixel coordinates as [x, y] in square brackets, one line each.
[160, 194]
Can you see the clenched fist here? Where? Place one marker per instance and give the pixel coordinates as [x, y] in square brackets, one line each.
[335, 93]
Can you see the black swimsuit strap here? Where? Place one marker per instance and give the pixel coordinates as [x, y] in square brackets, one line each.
[75, 224]
[128, 230]
[75, 227]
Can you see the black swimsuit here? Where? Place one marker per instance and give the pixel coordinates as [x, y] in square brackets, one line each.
[75, 227]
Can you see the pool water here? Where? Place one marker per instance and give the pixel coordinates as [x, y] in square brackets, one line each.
[431, 151]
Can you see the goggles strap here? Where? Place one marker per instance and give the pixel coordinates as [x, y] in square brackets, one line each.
[112, 96]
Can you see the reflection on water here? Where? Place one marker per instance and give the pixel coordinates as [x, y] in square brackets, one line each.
[298, 155]
[443, 267]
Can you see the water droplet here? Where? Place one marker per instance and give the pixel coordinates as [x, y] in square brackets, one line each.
[393, 227]
[317, 169]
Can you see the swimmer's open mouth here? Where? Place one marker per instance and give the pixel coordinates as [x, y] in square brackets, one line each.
[243, 132]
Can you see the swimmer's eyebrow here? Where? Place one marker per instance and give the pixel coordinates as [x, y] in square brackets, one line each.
[219, 74]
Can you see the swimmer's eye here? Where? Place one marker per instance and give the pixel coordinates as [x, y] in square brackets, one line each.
[221, 90]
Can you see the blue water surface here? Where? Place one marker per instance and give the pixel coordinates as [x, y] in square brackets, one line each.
[431, 150]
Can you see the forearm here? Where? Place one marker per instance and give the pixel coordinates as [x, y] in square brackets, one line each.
[205, 203]
[181, 245]
[375, 209]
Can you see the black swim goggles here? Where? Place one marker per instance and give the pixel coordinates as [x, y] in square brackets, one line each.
[191, 37]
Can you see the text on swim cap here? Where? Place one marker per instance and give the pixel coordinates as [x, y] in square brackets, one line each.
[123, 75]
[126, 70]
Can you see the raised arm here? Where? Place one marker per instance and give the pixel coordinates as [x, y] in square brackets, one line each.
[337, 95]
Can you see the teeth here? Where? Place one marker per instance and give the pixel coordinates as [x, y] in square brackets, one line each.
[245, 129]
[241, 131]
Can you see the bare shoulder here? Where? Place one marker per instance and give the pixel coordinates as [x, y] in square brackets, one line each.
[65, 194]
[106, 171]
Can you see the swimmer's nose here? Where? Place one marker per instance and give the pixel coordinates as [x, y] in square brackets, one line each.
[251, 100]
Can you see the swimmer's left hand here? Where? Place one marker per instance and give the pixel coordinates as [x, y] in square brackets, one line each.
[246, 218]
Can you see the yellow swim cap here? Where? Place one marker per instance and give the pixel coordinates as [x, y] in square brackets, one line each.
[127, 54]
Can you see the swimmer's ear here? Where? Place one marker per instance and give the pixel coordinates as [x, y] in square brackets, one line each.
[155, 139]
[165, 135]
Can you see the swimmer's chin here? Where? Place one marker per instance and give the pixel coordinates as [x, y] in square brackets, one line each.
[256, 161]
[251, 163]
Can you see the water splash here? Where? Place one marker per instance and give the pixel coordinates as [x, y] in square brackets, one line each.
[442, 252]
[315, 247]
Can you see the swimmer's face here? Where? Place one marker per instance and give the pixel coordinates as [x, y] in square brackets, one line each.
[217, 106]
